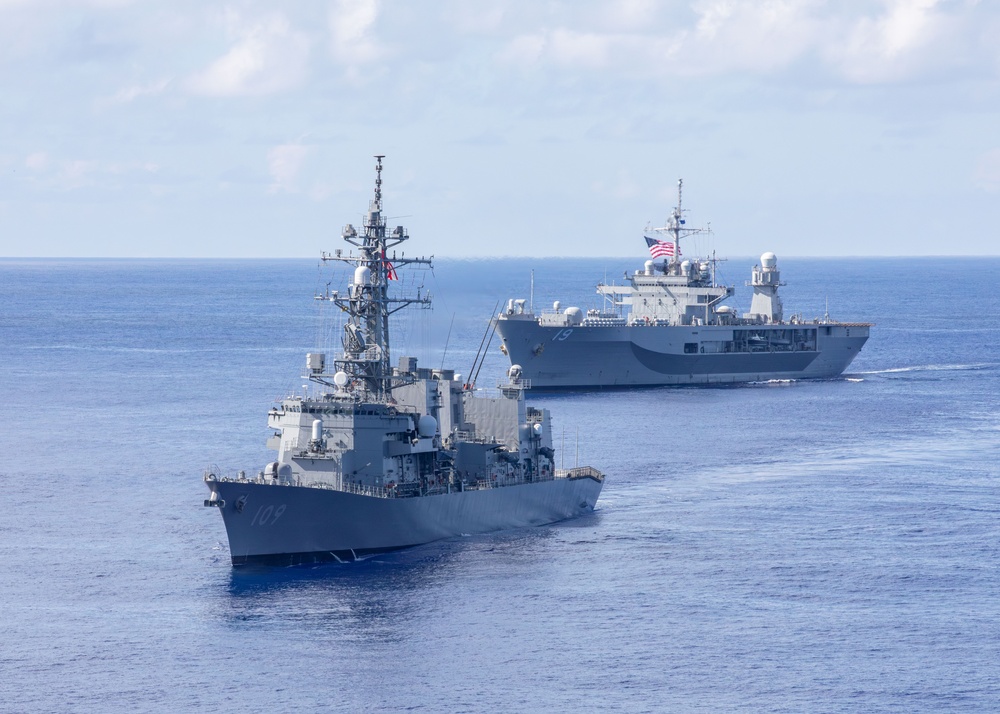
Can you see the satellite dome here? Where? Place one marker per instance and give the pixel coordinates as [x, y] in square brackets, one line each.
[574, 315]
[769, 260]
[427, 426]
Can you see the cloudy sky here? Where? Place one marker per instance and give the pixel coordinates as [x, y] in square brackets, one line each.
[514, 127]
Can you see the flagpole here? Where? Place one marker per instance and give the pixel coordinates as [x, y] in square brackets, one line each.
[677, 223]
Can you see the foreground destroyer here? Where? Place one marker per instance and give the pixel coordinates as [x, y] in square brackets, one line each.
[668, 326]
[376, 458]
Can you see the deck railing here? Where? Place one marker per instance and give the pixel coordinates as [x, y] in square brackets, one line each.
[415, 489]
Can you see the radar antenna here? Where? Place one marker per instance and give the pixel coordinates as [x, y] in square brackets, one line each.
[366, 358]
[675, 227]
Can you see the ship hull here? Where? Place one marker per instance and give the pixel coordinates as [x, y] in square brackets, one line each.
[293, 525]
[554, 357]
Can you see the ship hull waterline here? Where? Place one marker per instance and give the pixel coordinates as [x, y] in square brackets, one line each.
[632, 356]
[294, 525]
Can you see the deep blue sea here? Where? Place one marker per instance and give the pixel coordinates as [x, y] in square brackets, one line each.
[828, 546]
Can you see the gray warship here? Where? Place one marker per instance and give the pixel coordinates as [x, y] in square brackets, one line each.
[374, 458]
[668, 326]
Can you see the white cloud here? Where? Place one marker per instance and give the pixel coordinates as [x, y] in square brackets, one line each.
[906, 24]
[284, 162]
[524, 51]
[893, 40]
[38, 161]
[907, 37]
[727, 35]
[133, 92]
[351, 23]
[268, 56]
[629, 14]
[567, 48]
[77, 173]
[731, 36]
[581, 49]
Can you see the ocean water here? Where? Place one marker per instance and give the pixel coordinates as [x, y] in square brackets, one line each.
[825, 546]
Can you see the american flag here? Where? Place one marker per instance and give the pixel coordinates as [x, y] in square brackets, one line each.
[660, 248]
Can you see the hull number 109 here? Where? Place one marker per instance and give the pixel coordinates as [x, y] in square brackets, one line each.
[267, 515]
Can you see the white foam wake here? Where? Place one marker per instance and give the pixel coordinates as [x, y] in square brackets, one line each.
[932, 368]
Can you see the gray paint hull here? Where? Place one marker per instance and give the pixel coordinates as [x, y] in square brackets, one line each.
[621, 356]
[289, 525]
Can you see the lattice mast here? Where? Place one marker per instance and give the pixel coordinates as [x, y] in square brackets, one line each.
[366, 357]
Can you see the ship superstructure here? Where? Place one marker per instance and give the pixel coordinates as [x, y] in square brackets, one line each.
[667, 325]
[376, 457]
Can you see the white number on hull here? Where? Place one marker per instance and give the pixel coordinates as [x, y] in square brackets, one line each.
[267, 515]
[562, 335]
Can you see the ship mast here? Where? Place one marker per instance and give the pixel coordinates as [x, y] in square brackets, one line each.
[675, 229]
[676, 222]
[366, 359]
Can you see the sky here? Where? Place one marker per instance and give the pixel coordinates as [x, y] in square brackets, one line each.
[185, 128]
